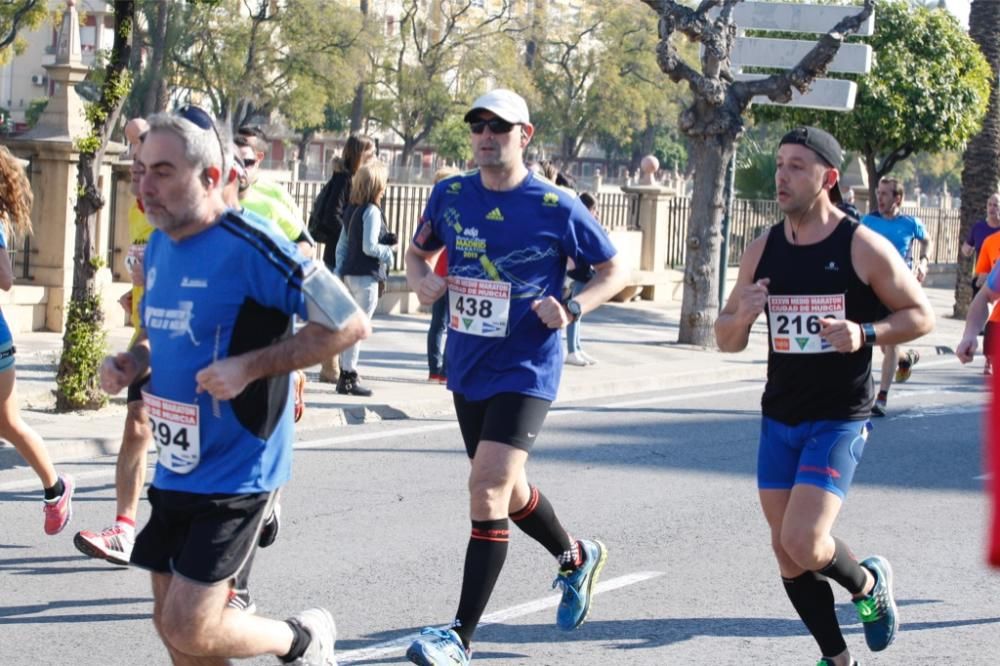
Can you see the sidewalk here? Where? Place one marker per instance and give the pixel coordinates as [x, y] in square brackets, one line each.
[635, 344]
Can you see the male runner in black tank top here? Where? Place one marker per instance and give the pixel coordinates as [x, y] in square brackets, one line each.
[820, 278]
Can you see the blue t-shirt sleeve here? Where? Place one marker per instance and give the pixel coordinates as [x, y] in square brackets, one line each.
[274, 278]
[919, 230]
[993, 279]
[586, 242]
[426, 236]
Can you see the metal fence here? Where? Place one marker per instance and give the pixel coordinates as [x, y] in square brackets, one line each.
[403, 205]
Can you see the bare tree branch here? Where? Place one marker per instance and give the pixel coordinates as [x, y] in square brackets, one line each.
[15, 22]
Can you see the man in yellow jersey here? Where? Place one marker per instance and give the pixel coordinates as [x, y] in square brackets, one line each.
[267, 198]
[114, 543]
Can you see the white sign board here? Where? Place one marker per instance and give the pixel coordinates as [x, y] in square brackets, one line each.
[824, 94]
[817, 19]
[828, 94]
[785, 53]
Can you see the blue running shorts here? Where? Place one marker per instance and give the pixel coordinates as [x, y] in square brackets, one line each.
[820, 453]
[7, 352]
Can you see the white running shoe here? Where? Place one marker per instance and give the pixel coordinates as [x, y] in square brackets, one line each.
[113, 544]
[319, 623]
[587, 357]
[576, 358]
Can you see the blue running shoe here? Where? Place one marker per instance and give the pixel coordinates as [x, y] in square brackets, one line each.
[437, 647]
[578, 586]
[878, 610]
[826, 661]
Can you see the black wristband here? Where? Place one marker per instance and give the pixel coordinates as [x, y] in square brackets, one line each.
[868, 333]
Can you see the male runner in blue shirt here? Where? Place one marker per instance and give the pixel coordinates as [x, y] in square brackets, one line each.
[508, 235]
[220, 294]
[902, 231]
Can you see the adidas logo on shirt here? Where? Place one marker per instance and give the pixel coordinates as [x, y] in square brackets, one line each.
[495, 215]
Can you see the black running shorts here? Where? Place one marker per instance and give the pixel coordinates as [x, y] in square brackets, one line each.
[205, 538]
[508, 418]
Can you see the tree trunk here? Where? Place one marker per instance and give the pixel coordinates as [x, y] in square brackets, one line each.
[981, 161]
[156, 94]
[84, 340]
[700, 306]
[358, 109]
[358, 103]
[302, 148]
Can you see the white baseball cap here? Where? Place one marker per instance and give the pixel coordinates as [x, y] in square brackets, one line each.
[504, 103]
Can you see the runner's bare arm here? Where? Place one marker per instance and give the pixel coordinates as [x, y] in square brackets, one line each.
[878, 264]
[609, 278]
[745, 302]
[421, 279]
[122, 369]
[975, 319]
[226, 379]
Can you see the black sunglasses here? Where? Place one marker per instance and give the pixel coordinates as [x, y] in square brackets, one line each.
[496, 125]
[200, 118]
[249, 163]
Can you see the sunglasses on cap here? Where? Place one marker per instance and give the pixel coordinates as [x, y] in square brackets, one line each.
[496, 125]
[199, 118]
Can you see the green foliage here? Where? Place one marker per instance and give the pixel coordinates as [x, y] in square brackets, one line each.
[928, 90]
[12, 22]
[670, 149]
[755, 170]
[34, 110]
[84, 348]
[451, 140]
[609, 89]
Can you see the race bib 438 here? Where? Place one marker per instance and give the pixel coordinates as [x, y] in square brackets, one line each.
[479, 307]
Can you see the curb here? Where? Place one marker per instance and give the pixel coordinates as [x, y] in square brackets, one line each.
[62, 449]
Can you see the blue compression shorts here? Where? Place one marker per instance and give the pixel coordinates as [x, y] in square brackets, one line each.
[819, 453]
[7, 354]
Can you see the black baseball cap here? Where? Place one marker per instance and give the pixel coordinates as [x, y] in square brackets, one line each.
[825, 146]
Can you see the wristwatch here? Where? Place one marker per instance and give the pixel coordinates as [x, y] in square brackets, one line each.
[868, 333]
[574, 309]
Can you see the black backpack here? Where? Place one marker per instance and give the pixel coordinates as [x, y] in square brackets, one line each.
[316, 227]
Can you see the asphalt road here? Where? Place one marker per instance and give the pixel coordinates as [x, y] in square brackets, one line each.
[375, 526]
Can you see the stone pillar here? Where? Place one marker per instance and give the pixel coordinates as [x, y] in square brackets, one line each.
[49, 146]
[653, 202]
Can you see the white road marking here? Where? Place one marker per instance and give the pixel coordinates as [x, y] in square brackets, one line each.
[398, 646]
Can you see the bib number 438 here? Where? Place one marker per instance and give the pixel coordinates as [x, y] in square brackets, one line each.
[474, 307]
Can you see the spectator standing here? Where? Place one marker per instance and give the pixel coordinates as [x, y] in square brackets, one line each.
[580, 276]
[439, 311]
[332, 210]
[364, 254]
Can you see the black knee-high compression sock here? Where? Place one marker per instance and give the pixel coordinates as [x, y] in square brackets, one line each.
[844, 569]
[813, 600]
[538, 520]
[483, 560]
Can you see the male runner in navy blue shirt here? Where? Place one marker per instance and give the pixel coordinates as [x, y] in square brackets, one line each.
[508, 234]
